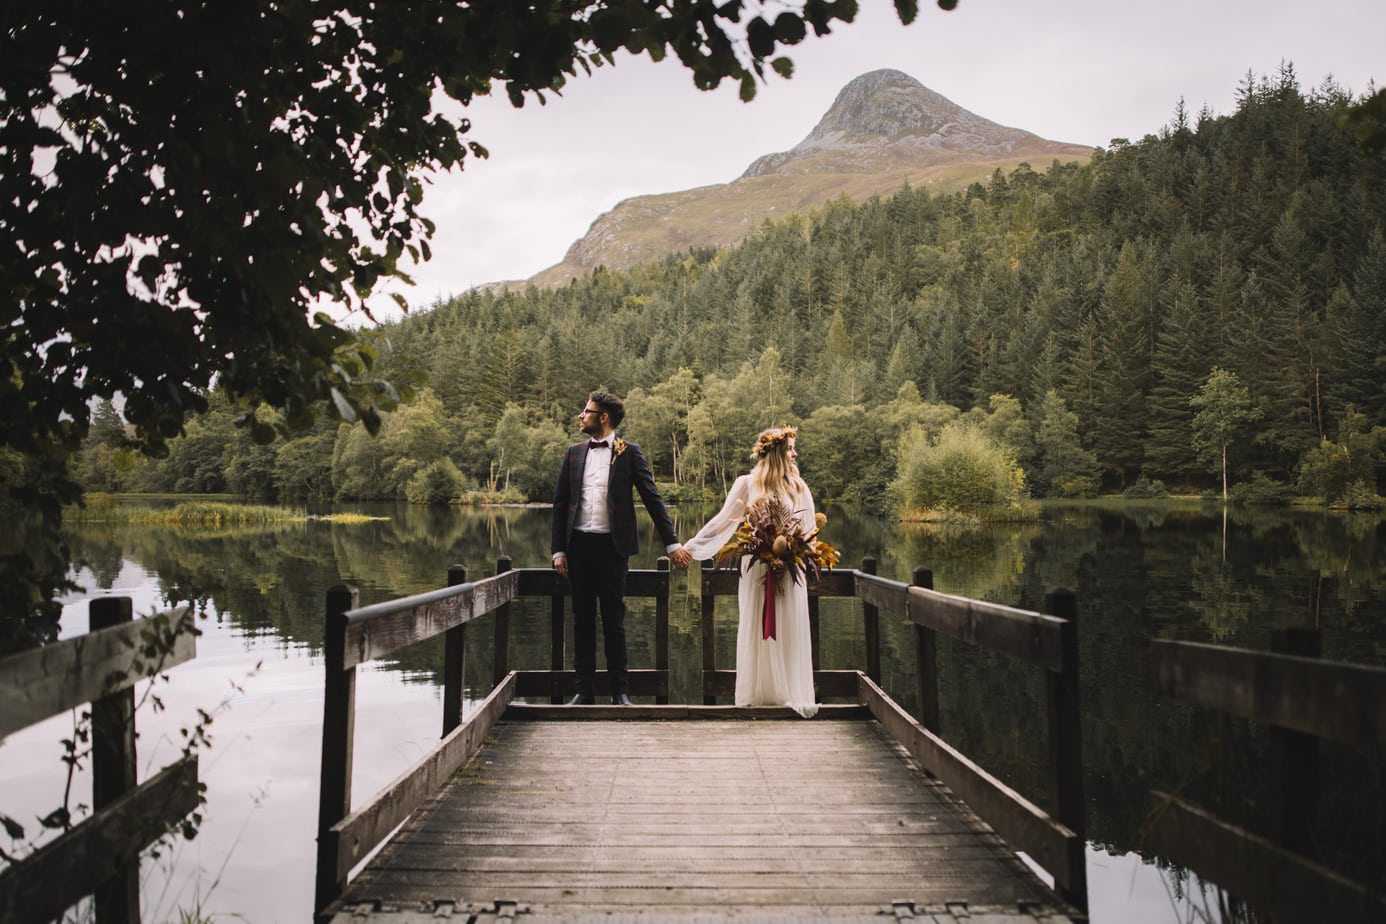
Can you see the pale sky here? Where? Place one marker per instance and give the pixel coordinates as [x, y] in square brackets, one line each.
[1081, 71]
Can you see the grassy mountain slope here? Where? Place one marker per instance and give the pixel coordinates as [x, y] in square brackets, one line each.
[884, 130]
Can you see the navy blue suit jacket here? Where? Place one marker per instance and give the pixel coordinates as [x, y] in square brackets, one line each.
[629, 472]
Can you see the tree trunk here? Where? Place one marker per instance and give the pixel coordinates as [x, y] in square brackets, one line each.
[1224, 473]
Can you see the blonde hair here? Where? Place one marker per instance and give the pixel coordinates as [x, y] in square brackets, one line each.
[774, 473]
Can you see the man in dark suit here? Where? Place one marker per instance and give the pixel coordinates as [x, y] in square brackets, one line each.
[594, 536]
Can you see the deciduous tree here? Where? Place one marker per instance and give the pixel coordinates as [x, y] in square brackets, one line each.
[205, 176]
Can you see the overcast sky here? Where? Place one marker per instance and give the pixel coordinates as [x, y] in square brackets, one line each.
[1082, 71]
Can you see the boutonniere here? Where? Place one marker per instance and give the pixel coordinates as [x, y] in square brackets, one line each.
[618, 446]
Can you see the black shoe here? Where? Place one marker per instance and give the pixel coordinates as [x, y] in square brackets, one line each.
[621, 699]
[582, 699]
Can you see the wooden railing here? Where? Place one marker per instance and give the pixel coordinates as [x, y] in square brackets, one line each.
[357, 635]
[100, 855]
[1302, 699]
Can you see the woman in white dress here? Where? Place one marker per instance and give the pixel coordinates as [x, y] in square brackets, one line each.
[774, 657]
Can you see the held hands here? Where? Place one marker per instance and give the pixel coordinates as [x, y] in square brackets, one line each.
[680, 558]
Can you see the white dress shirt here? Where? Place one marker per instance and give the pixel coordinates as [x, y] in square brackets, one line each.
[593, 514]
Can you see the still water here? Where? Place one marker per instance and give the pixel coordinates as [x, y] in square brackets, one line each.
[1140, 571]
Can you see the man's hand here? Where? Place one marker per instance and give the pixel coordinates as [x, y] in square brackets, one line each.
[680, 558]
[560, 564]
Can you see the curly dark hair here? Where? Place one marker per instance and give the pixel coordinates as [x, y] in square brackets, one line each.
[613, 406]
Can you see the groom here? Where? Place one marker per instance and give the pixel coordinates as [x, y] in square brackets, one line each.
[594, 536]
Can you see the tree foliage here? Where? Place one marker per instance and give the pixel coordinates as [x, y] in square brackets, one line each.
[206, 177]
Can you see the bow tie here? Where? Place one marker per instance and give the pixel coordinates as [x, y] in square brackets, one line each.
[597, 444]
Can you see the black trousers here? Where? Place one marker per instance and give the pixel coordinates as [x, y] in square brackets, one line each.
[597, 574]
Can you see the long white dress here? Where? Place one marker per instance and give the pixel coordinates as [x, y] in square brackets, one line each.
[776, 671]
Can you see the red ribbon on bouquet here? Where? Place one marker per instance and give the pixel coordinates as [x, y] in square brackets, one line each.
[767, 616]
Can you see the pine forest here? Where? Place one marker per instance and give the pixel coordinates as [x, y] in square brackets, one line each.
[1201, 308]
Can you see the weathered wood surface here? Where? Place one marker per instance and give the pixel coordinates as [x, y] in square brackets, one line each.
[790, 819]
[1053, 846]
[1032, 637]
[63, 871]
[377, 630]
[359, 833]
[45, 681]
[1342, 702]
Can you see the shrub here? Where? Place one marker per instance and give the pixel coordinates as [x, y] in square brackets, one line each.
[1145, 488]
[962, 469]
[1261, 491]
[1073, 486]
[436, 483]
[1360, 496]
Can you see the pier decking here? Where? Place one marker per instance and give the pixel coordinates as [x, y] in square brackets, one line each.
[692, 813]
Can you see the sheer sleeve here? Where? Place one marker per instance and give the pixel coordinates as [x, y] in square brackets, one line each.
[806, 510]
[719, 529]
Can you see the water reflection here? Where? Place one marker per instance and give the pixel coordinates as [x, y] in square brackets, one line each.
[1145, 571]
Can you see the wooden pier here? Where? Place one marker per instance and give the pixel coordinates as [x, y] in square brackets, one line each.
[700, 811]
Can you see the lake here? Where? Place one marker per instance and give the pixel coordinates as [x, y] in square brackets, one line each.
[1180, 570]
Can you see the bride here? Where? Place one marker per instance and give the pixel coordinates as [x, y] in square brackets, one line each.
[774, 657]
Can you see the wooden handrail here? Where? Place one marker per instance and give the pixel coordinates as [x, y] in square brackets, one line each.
[45, 681]
[99, 856]
[1341, 702]
[1301, 699]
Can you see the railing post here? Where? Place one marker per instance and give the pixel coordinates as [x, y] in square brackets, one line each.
[454, 663]
[113, 770]
[871, 625]
[556, 638]
[662, 628]
[1066, 743]
[1295, 760]
[814, 632]
[502, 656]
[338, 727]
[926, 660]
[709, 633]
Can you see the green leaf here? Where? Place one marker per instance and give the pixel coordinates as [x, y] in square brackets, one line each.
[784, 67]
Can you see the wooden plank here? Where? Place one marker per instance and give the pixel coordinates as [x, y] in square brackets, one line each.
[1024, 634]
[381, 628]
[46, 681]
[1026, 826]
[532, 712]
[360, 832]
[1273, 880]
[886, 595]
[65, 870]
[1342, 702]
[721, 582]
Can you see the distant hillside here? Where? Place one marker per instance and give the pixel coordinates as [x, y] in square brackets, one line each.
[884, 129]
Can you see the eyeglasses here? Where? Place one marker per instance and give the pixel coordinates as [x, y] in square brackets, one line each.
[590, 410]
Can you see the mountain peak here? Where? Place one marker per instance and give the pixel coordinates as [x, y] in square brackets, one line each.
[885, 129]
[887, 108]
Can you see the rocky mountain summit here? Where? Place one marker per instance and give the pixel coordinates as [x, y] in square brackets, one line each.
[885, 129]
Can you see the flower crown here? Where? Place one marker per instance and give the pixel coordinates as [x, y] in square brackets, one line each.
[771, 440]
